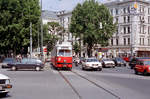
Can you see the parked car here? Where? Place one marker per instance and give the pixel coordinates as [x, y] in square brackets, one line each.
[119, 61]
[142, 66]
[91, 63]
[108, 63]
[5, 85]
[7, 61]
[27, 63]
[127, 59]
[134, 60]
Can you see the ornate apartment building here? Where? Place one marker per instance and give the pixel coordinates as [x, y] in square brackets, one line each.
[133, 29]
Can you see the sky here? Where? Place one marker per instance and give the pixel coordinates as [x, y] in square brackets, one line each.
[59, 5]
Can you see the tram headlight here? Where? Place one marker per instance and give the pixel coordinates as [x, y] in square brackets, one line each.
[149, 68]
[59, 59]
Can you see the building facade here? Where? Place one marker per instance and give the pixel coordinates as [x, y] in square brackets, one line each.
[133, 29]
[64, 21]
[49, 16]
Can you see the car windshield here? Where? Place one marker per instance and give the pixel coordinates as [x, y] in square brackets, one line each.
[91, 60]
[147, 62]
[107, 60]
[8, 60]
[119, 59]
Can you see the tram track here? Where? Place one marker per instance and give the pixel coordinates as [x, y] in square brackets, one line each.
[92, 82]
[69, 83]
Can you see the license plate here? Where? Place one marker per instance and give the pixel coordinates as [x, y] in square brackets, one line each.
[64, 66]
[1, 88]
[95, 66]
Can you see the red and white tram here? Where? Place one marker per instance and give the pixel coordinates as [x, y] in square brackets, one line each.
[61, 56]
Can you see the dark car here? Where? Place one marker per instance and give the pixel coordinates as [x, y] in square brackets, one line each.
[7, 61]
[27, 63]
[119, 61]
[134, 61]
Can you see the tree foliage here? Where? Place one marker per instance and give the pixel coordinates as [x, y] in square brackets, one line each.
[76, 48]
[52, 37]
[85, 24]
[15, 18]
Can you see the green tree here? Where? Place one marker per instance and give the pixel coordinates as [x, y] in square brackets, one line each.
[85, 24]
[55, 28]
[51, 38]
[15, 18]
[76, 48]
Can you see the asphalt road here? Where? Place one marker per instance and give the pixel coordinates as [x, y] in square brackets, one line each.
[110, 83]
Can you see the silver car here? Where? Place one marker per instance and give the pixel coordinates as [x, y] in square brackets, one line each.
[5, 85]
[108, 63]
[91, 63]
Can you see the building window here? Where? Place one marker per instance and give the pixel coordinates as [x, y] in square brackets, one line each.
[124, 41]
[124, 30]
[148, 10]
[128, 41]
[128, 9]
[149, 30]
[128, 19]
[148, 41]
[116, 19]
[124, 10]
[68, 19]
[111, 41]
[116, 11]
[111, 11]
[116, 41]
[141, 41]
[142, 29]
[148, 19]
[124, 19]
[129, 29]
[117, 30]
[142, 9]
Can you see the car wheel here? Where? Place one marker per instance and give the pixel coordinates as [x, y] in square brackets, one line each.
[70, 69]
[135, 71]
[83, 68]
[37, 68]
[124, 65]
[13, 68]
[145, 73]
[3, 94]
[99, 69]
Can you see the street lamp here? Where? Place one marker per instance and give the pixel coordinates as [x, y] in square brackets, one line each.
[41, 35]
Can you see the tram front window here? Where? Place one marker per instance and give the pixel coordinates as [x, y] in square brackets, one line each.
[64, 53]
